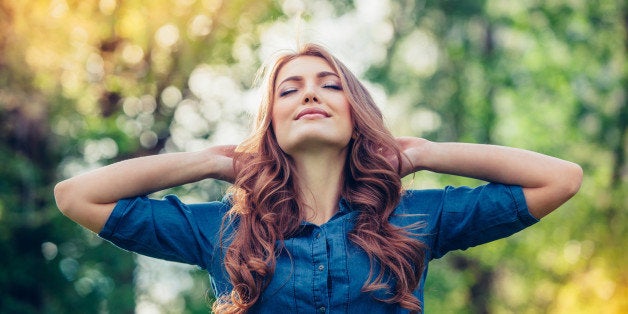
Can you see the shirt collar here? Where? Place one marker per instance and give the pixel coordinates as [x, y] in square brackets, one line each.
[344, 207]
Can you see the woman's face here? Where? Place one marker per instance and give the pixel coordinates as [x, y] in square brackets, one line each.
[310, 110]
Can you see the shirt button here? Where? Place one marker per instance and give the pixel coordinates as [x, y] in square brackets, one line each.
[321, 309]
[318, 235]
[321, 267]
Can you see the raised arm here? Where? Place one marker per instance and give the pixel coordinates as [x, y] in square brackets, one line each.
[89, 198]
[547, 182]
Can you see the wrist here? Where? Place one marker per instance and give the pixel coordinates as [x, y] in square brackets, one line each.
[422, 155]
[218, 163]
[414, 154]
[207, 166]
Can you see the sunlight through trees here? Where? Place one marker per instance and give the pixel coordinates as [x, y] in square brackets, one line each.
[87, 83]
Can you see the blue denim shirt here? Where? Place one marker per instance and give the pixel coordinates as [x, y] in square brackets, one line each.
[320, 270]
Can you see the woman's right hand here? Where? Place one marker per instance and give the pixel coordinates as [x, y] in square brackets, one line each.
[223, 162]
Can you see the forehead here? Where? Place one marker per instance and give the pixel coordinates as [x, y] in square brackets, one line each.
[303, 66]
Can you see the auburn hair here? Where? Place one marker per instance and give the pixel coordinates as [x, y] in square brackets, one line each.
[266, 202]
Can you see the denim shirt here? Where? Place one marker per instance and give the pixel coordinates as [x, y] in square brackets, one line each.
[320, 270]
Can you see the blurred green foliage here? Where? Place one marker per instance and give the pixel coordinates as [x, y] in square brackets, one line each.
[87, 83]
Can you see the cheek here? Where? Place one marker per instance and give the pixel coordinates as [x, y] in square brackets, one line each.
[349, 117]
[278, 121]
[278, 118]
[280, 108]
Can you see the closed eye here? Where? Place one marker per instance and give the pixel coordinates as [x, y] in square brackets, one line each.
[333, 86]
[287, 92]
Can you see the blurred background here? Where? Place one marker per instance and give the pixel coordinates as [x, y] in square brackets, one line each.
[88, 83]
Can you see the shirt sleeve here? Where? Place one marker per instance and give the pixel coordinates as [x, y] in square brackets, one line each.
[457, 218]
[166, 229]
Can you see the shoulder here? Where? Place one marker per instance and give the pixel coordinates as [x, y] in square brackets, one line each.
[462, 217]
[455, 199]
[420, 201]
[164, 213]
[171, 204]
[167, 228]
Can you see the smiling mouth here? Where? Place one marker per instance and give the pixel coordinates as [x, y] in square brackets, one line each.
[312, 112]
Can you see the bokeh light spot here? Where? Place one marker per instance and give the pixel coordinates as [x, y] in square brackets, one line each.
[58, 8]
[107, 7]
[95, 67]
[95, 150]
[148, 139]
[425, 120]
[132, 54]
[171, 96]
[167, 36]
[201, 25]
[49, 250]
[69, 267]
[420, 53]
[132, 106]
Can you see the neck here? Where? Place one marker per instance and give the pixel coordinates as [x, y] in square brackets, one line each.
[320, 178]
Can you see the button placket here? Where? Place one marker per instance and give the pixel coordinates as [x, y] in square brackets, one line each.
[319, 268]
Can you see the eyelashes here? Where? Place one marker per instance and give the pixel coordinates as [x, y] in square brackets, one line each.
[333, 86]
[290, 90]
[287, 92]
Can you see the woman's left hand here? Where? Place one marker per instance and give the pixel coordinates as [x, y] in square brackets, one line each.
[412, 148]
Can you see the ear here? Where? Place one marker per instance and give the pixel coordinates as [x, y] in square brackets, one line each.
[355, 135]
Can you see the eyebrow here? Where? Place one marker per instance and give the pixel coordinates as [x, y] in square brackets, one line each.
[298, 78]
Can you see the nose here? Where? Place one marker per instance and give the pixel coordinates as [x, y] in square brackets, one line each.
[310, 96]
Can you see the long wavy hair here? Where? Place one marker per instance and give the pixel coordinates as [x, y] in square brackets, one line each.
[267, 203]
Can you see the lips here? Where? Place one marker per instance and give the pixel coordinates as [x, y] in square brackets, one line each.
[308, 111]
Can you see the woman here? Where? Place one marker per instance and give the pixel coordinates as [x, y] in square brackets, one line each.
[317, 219]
